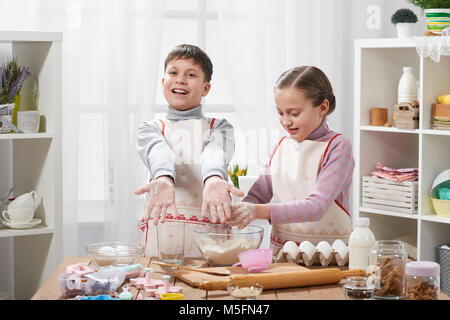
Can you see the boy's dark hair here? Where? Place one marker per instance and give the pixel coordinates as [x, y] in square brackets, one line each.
[188, 51]
[310, 80]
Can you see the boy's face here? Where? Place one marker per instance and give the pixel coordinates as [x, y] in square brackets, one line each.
[184, 85]
[297, 114]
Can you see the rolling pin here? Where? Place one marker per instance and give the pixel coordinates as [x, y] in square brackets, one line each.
[286, 279]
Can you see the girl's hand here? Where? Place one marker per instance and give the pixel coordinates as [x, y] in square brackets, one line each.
[216, 195]
[242, 213]
[161, 196]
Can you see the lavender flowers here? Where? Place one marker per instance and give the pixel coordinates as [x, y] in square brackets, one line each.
[12, 77]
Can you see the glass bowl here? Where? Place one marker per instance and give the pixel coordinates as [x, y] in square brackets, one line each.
[245, 292]
[114, 253]
[220, 244]
[358, 288]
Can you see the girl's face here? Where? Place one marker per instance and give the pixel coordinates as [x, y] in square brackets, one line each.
[297, 114]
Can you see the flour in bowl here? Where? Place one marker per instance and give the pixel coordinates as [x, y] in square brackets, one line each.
[226, 252]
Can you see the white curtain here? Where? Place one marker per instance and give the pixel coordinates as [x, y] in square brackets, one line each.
[111, 54]
[263, 38]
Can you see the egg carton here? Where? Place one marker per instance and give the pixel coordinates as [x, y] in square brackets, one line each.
[308, 254]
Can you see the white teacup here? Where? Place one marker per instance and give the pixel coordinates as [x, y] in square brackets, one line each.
[28, 121]
[26, 200]
[18, 215]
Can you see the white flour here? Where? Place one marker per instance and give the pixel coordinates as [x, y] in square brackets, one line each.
[226, 252]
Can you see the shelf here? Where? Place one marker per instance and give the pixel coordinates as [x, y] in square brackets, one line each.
[388, 129]
[30, 36]
[435, 218]
[40, 229]
[378, 68]
[436, 132]
[32, 161]
[389, 213]
[16, 136]
[385, 43]
[413, 131]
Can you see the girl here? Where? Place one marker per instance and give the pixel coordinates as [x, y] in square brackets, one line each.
[308, 177]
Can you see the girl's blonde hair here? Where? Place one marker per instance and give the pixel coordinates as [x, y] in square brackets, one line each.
[311, 81]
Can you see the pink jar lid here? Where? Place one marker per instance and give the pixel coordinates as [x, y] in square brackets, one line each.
[422, 268]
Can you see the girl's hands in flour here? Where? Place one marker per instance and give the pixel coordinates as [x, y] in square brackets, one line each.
[242, 213]
[160, 197]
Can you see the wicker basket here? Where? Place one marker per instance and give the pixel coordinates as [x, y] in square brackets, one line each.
[9, 115]
[442, 207]
[443, 255]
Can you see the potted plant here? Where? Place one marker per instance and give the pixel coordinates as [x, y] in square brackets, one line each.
[437, 14]
[404, 20]
[235, 172]
[12, 76]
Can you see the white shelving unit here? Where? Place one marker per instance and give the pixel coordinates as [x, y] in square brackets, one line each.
[378, 68]
[36, 161]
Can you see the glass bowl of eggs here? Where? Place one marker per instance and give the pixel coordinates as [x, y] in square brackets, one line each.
[114, 253]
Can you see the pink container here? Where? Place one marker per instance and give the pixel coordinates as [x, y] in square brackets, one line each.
[256, 260]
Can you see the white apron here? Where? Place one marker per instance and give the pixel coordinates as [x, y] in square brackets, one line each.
[187, 139]
[294, 169]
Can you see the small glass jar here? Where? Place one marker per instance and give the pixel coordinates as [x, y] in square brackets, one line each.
[358, 288]
[386, 269]
[422, 280]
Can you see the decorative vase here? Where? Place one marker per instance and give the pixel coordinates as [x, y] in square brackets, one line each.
[405, 29]
[6, 112]
[16, 108]
[437, 19]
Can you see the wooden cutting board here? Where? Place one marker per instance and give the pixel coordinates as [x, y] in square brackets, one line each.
[277, 276]
[195, 278]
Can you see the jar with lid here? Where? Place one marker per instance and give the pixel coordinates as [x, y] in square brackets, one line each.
[386, 269]
[422, 280]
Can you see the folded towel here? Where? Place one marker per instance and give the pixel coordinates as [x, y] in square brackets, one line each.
[402, 174]
[444, 193]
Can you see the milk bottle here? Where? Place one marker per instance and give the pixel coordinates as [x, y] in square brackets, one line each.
[360, 243]
[407, 86]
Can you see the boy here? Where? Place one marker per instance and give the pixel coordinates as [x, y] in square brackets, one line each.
[186, 154]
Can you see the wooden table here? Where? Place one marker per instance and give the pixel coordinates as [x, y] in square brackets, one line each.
[50, 289]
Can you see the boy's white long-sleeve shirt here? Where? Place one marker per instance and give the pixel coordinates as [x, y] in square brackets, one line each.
[159, 158]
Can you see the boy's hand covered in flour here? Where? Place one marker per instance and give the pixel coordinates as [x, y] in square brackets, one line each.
[242, 213]
[161, 196]
[216, 196]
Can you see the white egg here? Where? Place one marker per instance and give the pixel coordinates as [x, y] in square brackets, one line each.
[106, 250]
[122, 249]
[325, 250]
[308, 253]
[291, 249]
[340, 250]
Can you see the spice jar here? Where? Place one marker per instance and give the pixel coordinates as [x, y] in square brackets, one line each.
[358, 288]
[422, 280]
[387, 269]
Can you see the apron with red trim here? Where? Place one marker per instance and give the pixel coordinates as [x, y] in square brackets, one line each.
[294, 168]
[187, 139]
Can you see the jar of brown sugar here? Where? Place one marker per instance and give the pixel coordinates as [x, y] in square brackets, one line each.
[422, 280]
